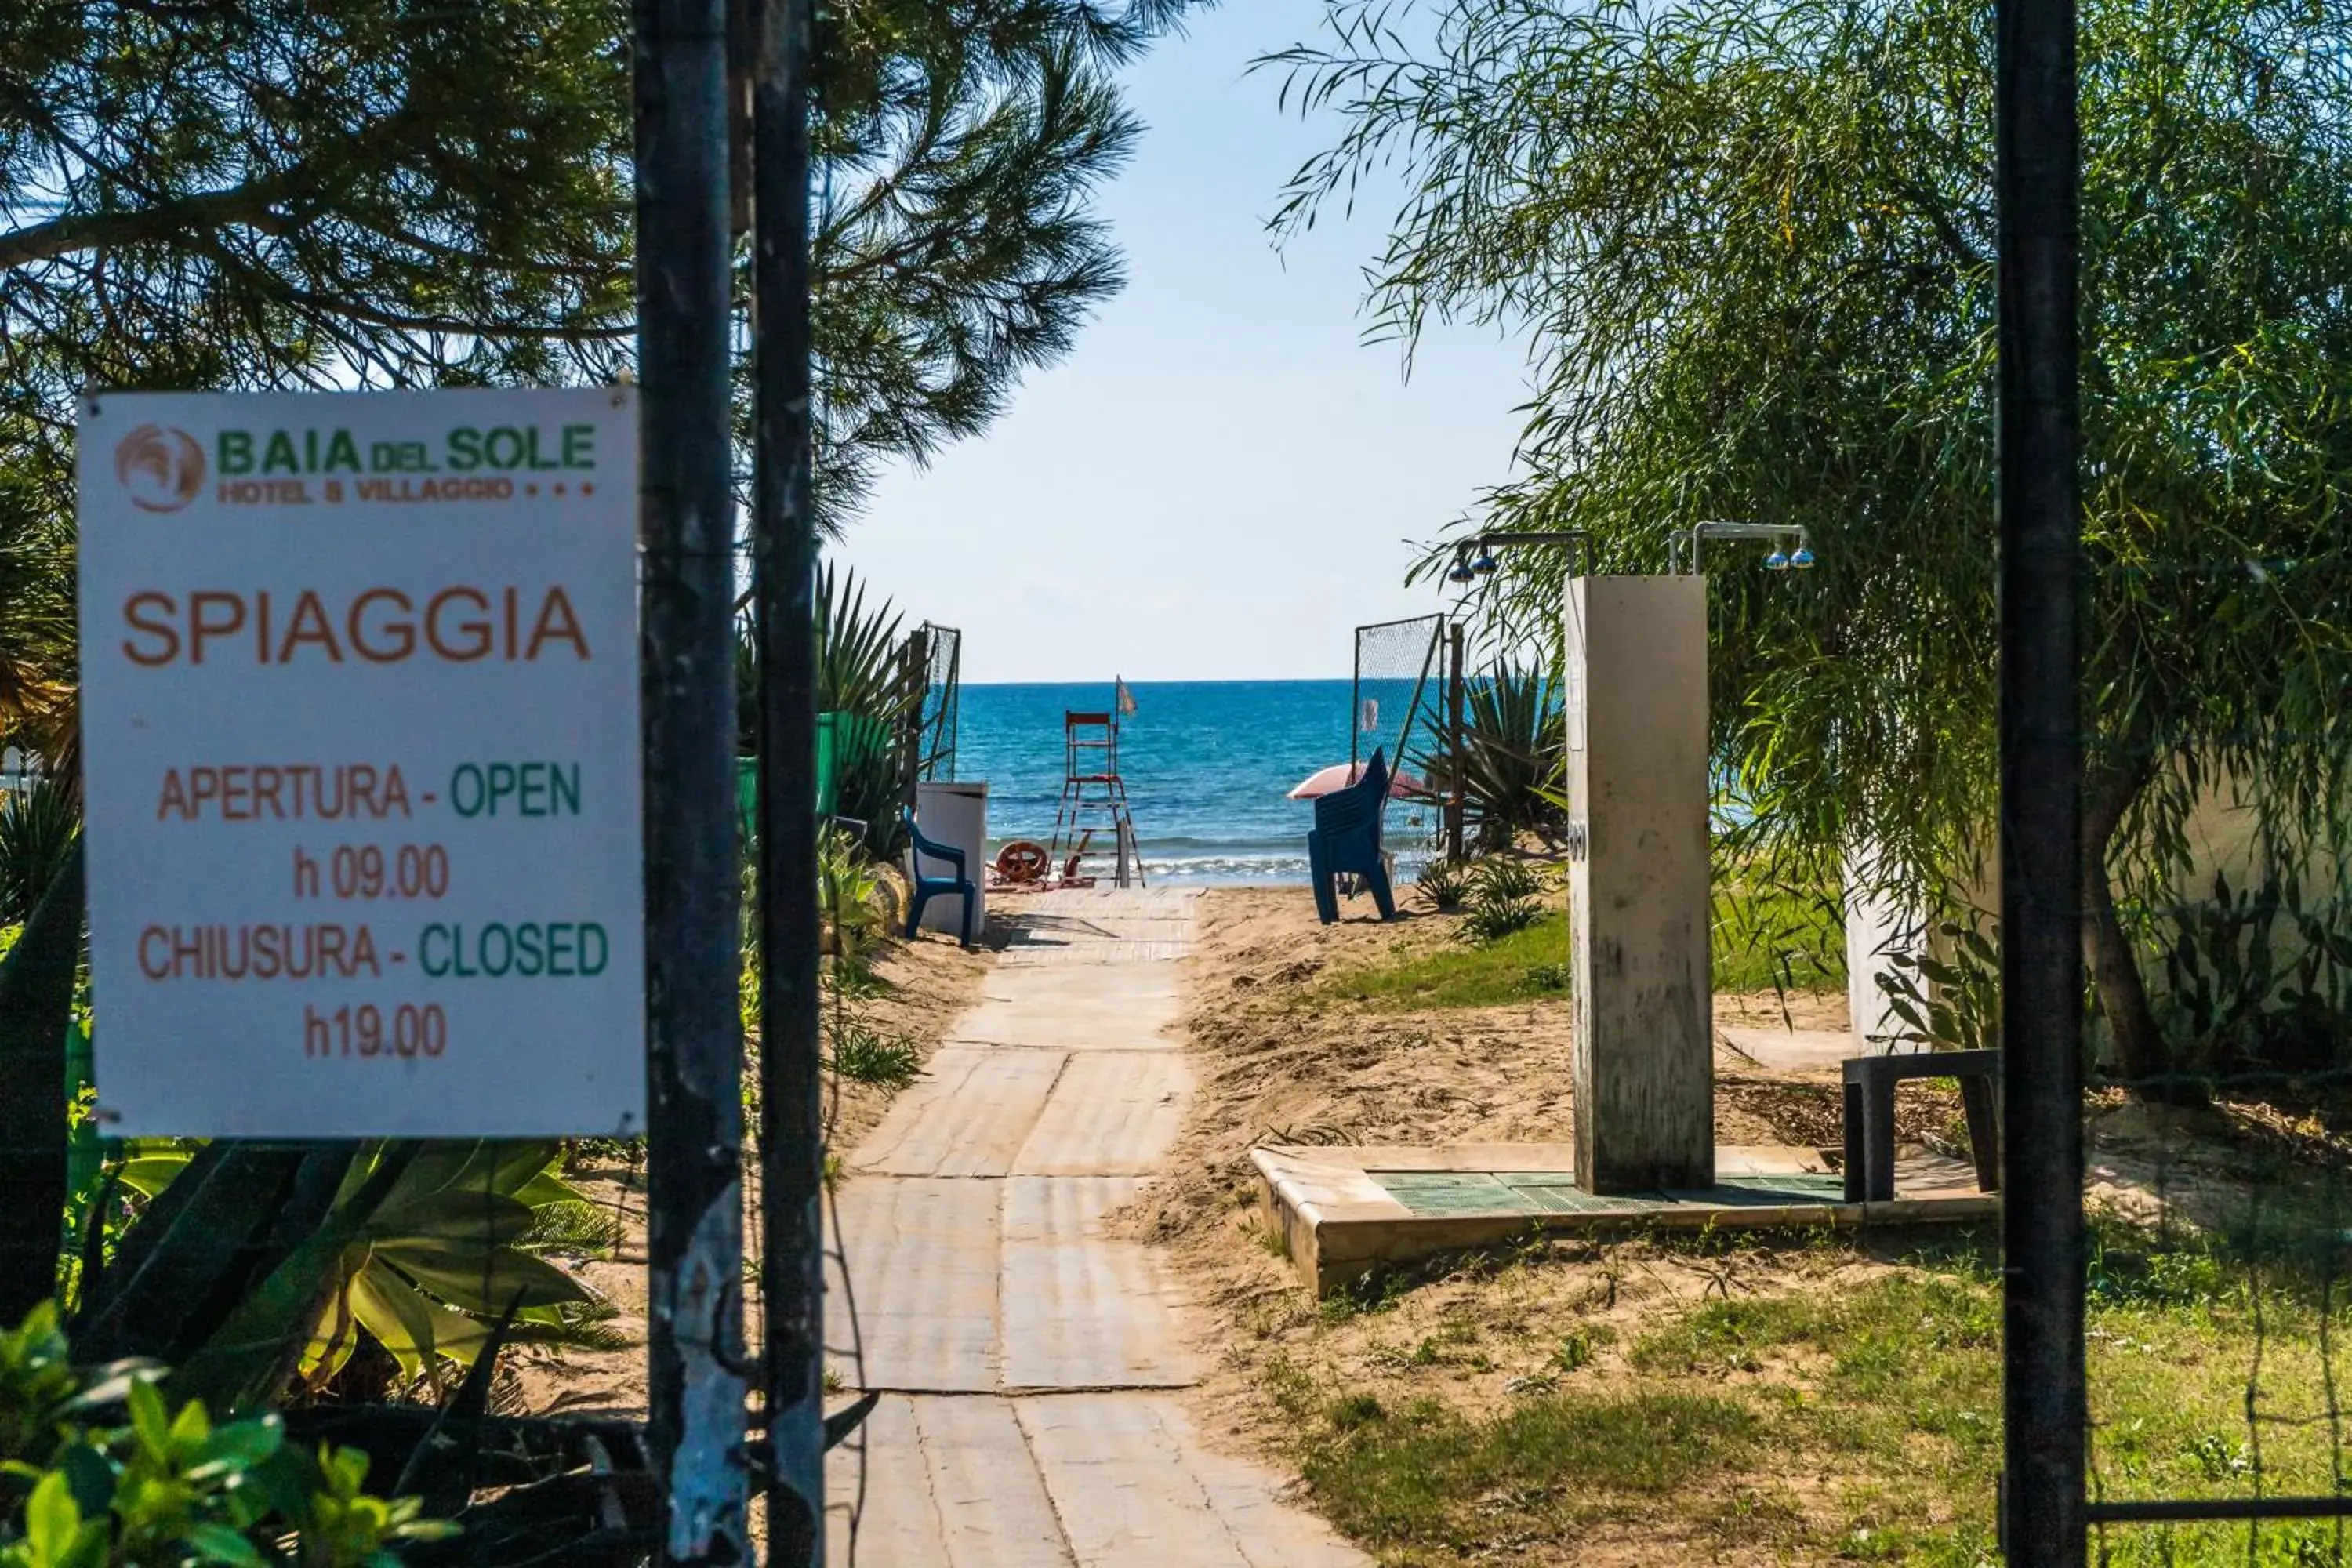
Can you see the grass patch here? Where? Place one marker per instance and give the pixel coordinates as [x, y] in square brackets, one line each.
[1773, 938]
[1527, 965]
[1428, 1485]
[1850, 1421]
[1900, 1380]
[1765, 939]
[863, 1054]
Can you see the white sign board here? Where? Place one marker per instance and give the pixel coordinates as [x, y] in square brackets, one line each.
[360, 761]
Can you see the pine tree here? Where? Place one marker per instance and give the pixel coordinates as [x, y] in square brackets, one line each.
[324, 193]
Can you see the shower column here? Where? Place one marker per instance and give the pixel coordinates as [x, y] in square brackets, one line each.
[1638, 786]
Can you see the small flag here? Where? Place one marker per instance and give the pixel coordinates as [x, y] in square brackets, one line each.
[1125, 699]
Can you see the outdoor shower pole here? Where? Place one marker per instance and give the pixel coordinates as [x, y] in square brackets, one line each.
[783, 576]
[2037, 173]
[694, 1242]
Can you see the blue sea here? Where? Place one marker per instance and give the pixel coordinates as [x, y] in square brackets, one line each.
[1207, 765]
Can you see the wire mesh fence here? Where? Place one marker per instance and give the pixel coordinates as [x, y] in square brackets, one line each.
[2205, 1379]
[1398, 703]
[942, 702]
[2221, 942]
[1399, 679]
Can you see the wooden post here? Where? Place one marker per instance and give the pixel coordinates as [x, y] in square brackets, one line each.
[1642, 1055]
[1457, 802]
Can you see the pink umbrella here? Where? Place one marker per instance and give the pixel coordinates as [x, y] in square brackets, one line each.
[1339, 776]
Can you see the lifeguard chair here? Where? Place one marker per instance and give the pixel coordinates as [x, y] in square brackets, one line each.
[1093, 795]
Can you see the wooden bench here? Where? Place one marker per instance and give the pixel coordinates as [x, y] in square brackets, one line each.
[1870, 1115]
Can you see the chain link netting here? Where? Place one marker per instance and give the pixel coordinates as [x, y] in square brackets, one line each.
[2216, 920]
[2216, 1156]
[942, 702]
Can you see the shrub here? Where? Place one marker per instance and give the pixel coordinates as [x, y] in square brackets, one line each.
[36, 831]
[1504, 896]
[166, 1488]
[850, 900]
[1507, 877]
[1443, 883]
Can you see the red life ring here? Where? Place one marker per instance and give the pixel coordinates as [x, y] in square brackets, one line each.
[1021, 861]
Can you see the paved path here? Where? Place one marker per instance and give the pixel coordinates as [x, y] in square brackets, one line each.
[1029, 1362]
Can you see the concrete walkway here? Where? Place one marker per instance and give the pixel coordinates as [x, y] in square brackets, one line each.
[1029, 1362]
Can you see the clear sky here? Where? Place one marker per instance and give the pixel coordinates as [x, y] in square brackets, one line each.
[1218, 481]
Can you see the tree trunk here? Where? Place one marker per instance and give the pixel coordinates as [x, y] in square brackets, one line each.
[2145, 1058]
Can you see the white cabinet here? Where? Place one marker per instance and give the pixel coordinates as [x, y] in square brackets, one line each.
[955, 815]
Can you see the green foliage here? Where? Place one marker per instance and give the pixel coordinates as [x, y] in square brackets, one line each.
[37, 614]
[1765, 938]
[2208, 1358]
[1901, 1377]
[864, 674]
[252, 1266]
[849, 898]
[1509, 756]
[98, 1471]
[1506, 878]
[1950, 1002]
[1753, 249]
[1444, 883]
[38, 830]
[292, 193]
[2255, 978]
[863, 1054]
[38, 981]
[1504, 897]
[1776, 929]
[1577, 1350]
[327, 194]
[453, 1245]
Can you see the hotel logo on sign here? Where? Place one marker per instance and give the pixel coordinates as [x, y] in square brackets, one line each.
[160, 468]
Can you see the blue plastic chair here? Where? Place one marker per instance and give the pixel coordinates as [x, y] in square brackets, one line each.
[1345, 840]
[928, 888]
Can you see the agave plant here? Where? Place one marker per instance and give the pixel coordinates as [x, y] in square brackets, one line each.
[254, 1267]
[862, 672]
[427, 1268]
[37, 827]
[1509, 754]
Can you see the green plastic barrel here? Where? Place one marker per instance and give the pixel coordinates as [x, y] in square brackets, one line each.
[747, 775]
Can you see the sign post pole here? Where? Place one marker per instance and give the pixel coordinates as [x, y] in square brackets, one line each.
[2037, 178]
[698, 1386]
[783, 565]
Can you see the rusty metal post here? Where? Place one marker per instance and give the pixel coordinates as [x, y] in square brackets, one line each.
[696, 1389]
[783, 568]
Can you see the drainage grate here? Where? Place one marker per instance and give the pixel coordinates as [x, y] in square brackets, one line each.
[1439, 1192]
